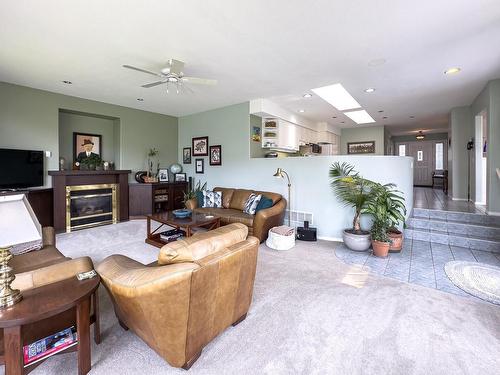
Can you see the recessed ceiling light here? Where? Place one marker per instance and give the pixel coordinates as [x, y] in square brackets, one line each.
[412, 116]
[380, 111]
[376, 62]
[307, 95]
[301, 110]
[385, 117]
[334, 116]
[140, 99]
[68, 82]
[452, 70]
[342, 122]
[360, 117]
[337, 96]
[370, 90]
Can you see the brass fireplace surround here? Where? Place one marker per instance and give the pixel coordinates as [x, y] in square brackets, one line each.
[114, 203]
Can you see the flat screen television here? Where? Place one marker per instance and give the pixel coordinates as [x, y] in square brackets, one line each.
[20, 169]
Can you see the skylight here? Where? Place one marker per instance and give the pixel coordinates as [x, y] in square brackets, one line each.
[360, 117]
[337, 96]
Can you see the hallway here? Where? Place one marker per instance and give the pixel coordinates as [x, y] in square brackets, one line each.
[435, 199]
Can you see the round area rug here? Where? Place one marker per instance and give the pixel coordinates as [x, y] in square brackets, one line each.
[479, 279]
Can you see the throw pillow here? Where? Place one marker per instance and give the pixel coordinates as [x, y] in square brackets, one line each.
[199, 198]
[264, 203]
[251, 203]
[212, 199]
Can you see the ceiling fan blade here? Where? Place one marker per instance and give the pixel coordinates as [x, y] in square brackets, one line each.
[142, 70]
[148, 85]
[199, 81]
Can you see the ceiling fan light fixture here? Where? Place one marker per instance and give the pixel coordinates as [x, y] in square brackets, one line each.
[420, 136]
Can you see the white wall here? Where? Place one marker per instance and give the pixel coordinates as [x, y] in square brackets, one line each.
[311, 190]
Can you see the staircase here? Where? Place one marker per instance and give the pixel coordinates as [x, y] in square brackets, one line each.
[470, 230]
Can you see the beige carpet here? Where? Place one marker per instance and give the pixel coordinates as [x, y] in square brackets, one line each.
[311, 314]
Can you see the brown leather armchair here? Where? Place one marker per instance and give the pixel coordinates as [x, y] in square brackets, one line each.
[233, 202]
[198, 287]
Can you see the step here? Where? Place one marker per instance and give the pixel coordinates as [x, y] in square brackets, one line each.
[455, 227]
[454, 239]
[460, 217]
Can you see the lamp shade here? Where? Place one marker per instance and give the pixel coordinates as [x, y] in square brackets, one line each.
[19, 226]
[279, 173]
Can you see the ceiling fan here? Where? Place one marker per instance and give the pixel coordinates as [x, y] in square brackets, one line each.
[173, 75]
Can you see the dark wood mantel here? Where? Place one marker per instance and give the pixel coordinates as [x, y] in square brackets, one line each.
[61, 179]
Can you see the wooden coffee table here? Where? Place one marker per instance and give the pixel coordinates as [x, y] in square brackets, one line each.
[41, 312]
[196, 220]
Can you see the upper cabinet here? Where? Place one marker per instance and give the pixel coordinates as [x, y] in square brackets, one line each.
[280, 135]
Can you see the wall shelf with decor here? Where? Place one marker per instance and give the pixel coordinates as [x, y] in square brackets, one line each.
[162, 197]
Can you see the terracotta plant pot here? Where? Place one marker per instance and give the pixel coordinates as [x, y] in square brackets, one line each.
[380, 249]
[397, 240]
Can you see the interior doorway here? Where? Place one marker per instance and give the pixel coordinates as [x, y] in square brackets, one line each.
[480, 158]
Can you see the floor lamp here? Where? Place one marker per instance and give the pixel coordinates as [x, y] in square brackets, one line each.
[280, 173]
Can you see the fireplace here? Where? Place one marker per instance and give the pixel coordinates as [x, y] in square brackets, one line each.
[91, 205]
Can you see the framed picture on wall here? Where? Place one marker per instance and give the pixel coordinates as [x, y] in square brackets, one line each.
[186, 155]
[367, 147]
[200, 146]
[256, 133]
[86, 145]
[216, 155]
[199, 165]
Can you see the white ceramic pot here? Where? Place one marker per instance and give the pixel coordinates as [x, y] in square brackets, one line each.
[356, 242]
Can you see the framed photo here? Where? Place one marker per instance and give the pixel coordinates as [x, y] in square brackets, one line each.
[186, 155]
[199, 165]
[256, 133]
[200, 146]
[216, 155]
[85, 145]
[163, 175]
[179, 177]
[367, 147]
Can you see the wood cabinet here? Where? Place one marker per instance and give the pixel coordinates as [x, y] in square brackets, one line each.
[146, 199]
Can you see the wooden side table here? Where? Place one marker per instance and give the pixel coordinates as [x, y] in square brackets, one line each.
[46, 309]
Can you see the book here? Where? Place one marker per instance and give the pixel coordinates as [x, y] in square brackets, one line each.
[172, 235]
[49, 345]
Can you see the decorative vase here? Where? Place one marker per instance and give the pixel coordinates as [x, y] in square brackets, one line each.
[356, 241]
[380, 249]
[397, 240]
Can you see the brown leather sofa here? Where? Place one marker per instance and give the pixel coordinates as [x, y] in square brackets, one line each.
[199, 286]
[233, 203]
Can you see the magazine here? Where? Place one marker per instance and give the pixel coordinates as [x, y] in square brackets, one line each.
[49, 345]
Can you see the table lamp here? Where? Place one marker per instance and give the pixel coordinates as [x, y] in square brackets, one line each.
[18, 225]
[280, 173]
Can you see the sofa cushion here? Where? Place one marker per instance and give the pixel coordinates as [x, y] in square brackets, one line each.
[239, 198]
[241, 217]
[251, 203]
[275, 197]
[227, 194]
[212, 199]
[199, 198]
[264, 203]
[196, 247]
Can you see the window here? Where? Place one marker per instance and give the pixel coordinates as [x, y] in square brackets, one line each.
[402, 150]
[439, 156]
[420, 155]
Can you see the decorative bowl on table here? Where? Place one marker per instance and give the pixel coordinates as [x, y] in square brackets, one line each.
[182, 213]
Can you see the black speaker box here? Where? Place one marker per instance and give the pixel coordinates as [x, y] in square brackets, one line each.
[306, 234]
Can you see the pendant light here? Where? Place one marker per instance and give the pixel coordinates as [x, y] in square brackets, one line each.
[420, 136]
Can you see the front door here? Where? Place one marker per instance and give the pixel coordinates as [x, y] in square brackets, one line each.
[423, 160]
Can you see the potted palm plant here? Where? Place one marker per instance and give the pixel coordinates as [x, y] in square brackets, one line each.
[355, 191]
[388, 203]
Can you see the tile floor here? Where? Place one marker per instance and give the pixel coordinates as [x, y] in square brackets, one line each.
[435, 199]
[419, 262]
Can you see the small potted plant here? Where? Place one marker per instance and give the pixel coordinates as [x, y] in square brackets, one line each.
[357, 192]
[389, 202]
[90, 163]
[380, 239]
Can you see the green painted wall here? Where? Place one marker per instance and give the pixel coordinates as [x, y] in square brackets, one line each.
[256, 150]
[72, 122]
[369, 133]
[461, 133]
[29, 119]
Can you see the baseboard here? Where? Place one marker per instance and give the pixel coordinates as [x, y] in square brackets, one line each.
[493, 213]
[336, 239]
[459, 199]
[480, 203]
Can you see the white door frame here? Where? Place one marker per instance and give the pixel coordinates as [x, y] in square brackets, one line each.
[480, 170]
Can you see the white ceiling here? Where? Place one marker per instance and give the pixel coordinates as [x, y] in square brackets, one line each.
[276, 49]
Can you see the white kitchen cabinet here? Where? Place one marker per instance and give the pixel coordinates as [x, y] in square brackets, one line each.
[282, 136]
